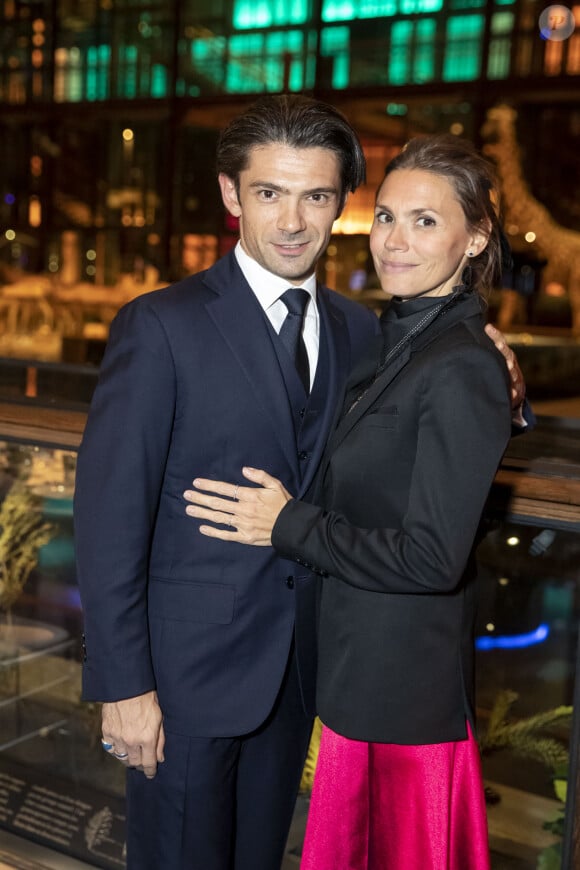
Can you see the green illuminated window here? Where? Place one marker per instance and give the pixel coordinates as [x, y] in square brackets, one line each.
[502, 22]
[207, 57]
[339, 10]
[424, 56]
[265, 62]
[74, 78]
[244, 72]
[158, 81]
[412, 51]
[498, 59]
[410, 7]
[400, 54]
[310, 71]
[335, 44]
[97, 72]
[463, 48]
[269, 13]
[350, 10]
[286, 48]
[127, 82]
[468, 4]
[254, 62]
[376, 8]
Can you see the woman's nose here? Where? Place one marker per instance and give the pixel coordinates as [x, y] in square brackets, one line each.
[395, 239]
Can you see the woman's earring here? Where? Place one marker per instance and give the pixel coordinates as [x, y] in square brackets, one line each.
[470, 253]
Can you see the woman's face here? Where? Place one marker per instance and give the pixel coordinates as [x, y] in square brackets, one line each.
[419, 239]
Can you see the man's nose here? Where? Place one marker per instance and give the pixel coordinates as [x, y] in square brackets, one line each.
[291, 217]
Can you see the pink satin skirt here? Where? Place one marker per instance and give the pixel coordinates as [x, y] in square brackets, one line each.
[381, 806]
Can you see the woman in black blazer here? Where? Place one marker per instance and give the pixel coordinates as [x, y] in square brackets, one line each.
[401, 490]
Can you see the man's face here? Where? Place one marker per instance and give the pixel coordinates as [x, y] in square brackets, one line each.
[288, 201]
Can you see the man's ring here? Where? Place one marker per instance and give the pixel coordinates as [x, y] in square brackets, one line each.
[121, 754]
[106, 746]
[236, 492]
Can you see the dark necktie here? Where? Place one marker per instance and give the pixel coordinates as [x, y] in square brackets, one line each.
[295, 299]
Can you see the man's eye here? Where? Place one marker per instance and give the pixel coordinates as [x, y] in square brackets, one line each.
[267, 194]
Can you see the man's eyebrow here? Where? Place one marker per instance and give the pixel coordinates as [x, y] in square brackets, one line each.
[321, 190]
[271, 185]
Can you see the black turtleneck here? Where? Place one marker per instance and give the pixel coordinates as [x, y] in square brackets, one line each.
[403, 318]
[402, 315]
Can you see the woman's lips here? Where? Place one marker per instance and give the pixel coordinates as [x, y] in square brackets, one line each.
[389, 266]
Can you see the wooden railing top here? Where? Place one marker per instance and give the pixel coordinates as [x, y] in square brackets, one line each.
[539, 477]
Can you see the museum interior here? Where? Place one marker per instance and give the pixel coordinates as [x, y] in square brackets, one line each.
[109, 116]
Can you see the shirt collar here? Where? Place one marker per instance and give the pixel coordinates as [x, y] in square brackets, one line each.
[266, 286]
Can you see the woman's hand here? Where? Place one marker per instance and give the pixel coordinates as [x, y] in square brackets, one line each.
[248, 512]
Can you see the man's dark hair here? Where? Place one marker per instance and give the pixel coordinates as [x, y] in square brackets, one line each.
[296, 121]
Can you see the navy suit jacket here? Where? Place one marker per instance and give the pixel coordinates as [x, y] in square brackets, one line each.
[191, 386]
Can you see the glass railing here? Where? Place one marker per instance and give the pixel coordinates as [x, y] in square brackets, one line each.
[61, 790]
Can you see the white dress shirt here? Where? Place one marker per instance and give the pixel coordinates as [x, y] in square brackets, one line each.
[268, 288]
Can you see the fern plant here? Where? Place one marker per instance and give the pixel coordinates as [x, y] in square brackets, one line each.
[527, 738]
[22, 533]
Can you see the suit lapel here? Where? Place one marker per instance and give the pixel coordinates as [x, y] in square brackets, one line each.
[238, 316]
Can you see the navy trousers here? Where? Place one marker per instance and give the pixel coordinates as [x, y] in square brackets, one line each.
[221, 803]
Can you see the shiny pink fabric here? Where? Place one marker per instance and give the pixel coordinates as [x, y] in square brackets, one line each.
[381, 806]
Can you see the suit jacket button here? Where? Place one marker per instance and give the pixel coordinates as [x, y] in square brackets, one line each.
[303, 455]
[290, 582]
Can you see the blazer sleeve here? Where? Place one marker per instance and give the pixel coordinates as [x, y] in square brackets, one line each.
[119, 476]
[464, 426]
[523, 418]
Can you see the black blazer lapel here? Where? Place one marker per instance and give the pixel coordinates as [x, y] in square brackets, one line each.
[360, 408]
[240, 319]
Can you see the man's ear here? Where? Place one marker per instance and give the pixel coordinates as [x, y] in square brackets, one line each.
[341, 205]
[229, 194]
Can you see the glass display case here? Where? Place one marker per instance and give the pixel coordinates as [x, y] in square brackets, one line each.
[59, 789]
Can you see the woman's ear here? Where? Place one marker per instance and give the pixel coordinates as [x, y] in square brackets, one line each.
[478, 239]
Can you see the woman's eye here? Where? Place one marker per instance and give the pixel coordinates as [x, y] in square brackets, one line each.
[383, 217]
[426, 222]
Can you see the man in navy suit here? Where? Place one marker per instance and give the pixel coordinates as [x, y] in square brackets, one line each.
[188, 643]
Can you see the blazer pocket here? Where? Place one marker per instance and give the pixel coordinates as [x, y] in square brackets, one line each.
[384, 418]
[209, 603]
